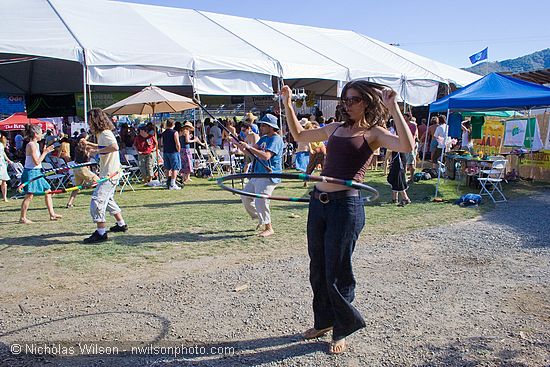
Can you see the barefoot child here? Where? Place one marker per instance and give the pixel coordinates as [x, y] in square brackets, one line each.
[33, 166]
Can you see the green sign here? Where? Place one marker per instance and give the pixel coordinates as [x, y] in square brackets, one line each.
[99, 99]
[530, 133]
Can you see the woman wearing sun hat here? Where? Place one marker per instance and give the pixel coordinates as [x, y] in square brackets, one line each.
[186, 139]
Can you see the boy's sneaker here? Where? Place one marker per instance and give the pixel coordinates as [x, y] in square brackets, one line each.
[117, 228]
[96, 237]
[175, 187]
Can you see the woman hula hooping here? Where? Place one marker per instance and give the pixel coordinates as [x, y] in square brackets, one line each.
[33, 168]
[336, 214]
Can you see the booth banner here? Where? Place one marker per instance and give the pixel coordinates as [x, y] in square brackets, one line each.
[533, 141]
[99, 99]
[539, 159]
[10, 103]
[514, 134]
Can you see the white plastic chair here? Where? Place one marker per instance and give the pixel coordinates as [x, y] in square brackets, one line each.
[492, 181]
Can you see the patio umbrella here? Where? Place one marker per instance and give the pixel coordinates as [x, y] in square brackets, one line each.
[151, 100]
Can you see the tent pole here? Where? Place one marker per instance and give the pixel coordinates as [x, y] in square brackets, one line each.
[90, 93]
[84, 86]
[440, 160]
[281, 125]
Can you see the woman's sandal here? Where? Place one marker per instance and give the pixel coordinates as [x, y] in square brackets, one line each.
[337, 346]
[314, 333]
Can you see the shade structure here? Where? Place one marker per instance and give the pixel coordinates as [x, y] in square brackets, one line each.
[124, 44]
[495, 92]
[19, 120]
[151, 100]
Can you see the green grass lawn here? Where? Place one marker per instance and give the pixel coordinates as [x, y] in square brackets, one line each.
[203, 220]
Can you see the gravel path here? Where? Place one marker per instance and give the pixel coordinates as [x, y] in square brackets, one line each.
[470, 294]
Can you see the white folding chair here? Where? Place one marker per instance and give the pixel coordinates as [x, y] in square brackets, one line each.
[132, 167]
[15, 171]
[57, 181]
[125, 181]
[492, 181]
[225, 160]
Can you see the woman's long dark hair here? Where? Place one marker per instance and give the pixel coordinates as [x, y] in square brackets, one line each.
[376, 113]
[99, 121]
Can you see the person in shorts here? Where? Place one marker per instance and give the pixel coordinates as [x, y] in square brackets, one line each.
[171, 154]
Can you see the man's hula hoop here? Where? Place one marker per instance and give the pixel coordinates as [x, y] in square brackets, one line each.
[79, 187]
[53, 171]
[294, 176]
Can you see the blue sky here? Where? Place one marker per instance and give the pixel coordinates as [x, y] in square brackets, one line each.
[444, 30]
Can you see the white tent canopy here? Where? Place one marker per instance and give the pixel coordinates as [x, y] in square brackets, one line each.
[126, 44]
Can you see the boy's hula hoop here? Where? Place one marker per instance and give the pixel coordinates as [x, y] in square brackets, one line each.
[373, 193]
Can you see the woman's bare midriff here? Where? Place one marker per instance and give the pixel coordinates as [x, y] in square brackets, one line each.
[328, 187]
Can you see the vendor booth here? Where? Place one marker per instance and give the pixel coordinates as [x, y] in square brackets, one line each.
[497, 92]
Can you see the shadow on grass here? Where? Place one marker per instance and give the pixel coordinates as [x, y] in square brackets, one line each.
[206, 236]
[183, 203]
[40, 240]
[477, 351]
[126, 239]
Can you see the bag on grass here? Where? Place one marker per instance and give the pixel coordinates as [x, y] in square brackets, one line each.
[469, 200]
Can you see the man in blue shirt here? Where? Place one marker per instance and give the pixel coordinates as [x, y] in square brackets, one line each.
[270, 150]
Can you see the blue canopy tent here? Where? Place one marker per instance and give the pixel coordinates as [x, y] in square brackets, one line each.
[493, 92]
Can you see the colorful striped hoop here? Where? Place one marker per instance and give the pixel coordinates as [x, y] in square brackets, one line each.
[294, 176]
[79, 187]
[54, 171]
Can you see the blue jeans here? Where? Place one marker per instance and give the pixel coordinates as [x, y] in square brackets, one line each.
[332, 231]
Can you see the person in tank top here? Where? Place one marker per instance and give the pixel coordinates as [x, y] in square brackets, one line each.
[336, 215]
[33, 169]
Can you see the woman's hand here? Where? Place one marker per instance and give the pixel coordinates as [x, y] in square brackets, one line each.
[388, 96]
[49, 149]
[286, 95]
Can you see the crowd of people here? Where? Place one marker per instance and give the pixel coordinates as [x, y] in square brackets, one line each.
[174, 145]
[368, 124]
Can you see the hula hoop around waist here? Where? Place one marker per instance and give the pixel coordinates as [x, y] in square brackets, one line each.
[294, 176]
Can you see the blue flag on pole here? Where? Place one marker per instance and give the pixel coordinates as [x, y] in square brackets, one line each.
[481, 55]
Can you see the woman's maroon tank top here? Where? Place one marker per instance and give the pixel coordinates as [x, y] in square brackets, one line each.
[347, 157]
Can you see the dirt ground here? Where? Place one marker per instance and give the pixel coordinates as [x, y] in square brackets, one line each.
[474, 293]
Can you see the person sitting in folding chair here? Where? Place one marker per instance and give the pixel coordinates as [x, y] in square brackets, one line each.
[82, 175]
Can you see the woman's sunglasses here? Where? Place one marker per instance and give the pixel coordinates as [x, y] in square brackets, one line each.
[351, 100]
